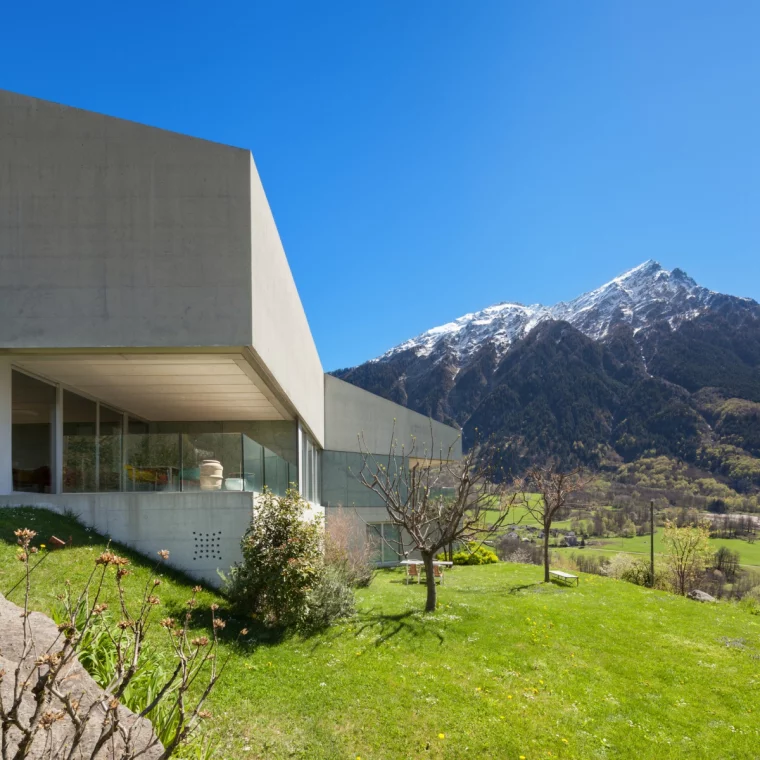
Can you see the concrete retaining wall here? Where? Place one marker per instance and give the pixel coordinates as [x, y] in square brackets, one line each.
[202, 531]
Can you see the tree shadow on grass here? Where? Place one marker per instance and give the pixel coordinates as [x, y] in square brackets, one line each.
[522, 587]
[257, 633]
[387, 626]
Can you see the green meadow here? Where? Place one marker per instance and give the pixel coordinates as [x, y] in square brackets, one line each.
[749, 553]
[507, 667]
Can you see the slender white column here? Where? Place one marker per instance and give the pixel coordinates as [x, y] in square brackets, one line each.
[301, 463]
[6, 427]
[58, 441]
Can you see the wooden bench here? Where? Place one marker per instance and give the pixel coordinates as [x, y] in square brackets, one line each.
[565, 576]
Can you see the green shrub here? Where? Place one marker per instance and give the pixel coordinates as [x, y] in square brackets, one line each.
[282, 562]
[475, 554]
[639, 572]
[330, 598]
[751, 601]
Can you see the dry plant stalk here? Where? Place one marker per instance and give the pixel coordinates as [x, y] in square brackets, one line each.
[103, 728]
[348, 548]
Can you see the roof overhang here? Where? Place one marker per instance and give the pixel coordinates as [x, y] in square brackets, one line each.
[203, 385]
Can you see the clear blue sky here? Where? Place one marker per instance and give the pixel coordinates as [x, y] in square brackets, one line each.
[426, 159]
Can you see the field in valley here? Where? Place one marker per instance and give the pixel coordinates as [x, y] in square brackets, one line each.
[639, 545]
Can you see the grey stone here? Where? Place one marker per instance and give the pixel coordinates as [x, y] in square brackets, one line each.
[701, 596]
[75, 680]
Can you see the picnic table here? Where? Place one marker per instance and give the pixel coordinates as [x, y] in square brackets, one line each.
[565, 576]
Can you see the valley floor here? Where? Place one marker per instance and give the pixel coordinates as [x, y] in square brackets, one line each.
[507, 668]
[749, 553]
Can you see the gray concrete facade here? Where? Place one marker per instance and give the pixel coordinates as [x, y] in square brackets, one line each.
[118, 235]
[352, 412]
[6, 417]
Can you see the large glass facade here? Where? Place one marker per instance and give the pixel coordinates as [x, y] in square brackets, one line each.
[104, 450]
[80, 450]
[110, 441]
[32, 434]
[341, 482]
[151, 460]
[180, 456]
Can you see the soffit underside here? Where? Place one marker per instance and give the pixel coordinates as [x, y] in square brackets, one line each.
[168, 387]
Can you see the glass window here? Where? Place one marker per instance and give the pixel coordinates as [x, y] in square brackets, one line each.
[375, 539]
[79, 439]
[32, 434]
[277, 473]
[212, 462]
[171, 456]
[253, 465]
[391, 542]
[342, 485]
[385, 539]
[152, 460]
[110, 457]
[311, 463]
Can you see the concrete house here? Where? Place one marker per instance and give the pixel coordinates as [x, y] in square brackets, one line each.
[156, 366]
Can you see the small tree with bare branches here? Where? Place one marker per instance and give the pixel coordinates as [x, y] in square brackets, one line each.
[553, 488]
[437, 500]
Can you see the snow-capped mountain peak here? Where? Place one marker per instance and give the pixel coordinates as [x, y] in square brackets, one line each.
[637, 297]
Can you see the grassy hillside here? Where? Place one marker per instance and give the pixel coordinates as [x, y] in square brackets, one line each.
[507, 668]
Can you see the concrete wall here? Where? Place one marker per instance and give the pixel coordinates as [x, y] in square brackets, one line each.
[201, 530]
[117, 234]
[350, 411]
[282, 338]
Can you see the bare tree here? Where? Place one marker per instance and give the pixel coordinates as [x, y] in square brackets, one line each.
[437, 500]
[544, 492]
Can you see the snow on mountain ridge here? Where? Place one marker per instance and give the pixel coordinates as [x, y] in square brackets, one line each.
[637, 297]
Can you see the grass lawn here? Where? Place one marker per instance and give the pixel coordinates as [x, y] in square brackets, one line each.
[749, 553]
[506, 668]
[522, 517]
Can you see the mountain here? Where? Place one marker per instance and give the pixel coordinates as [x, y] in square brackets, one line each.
[639, 365]
[645, 294]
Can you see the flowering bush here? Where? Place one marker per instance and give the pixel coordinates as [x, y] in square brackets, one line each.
[475, 554]
[618, 566]
[282, 560]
